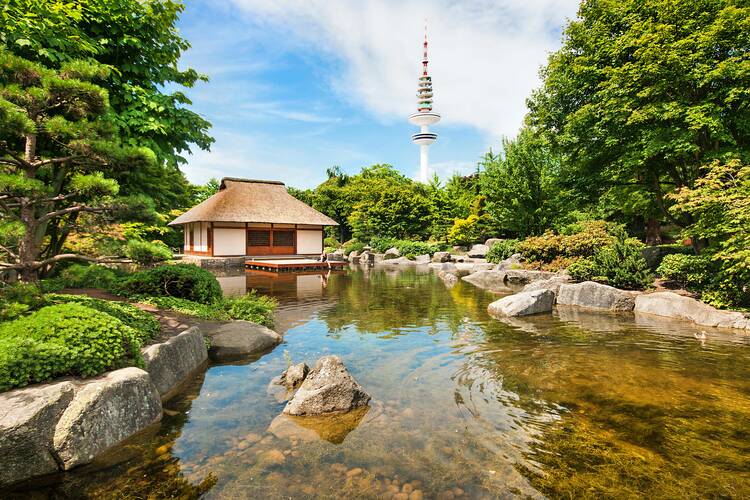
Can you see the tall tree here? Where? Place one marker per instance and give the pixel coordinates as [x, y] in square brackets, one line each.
[643, 93]
[56, 139]
[520, 185]
[138, 40]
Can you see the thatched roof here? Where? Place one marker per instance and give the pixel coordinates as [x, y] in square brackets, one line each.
[248, 200]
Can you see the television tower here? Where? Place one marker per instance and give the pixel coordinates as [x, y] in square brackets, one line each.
[424, 117]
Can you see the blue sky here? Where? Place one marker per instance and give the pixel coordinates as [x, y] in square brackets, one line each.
[297, 87]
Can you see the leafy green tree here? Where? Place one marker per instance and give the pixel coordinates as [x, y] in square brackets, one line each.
[56, 138]
[519, 185]
[392, 210]
[138, 41]
[203, 192]
[642, 94]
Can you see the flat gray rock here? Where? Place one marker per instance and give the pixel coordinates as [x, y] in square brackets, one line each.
[105, 411]
[173, 361]
[672, 305]
[523, 304]
[552, 283]
[596, 296]
[28, 418]
[478, 250]
[524, 276]
[441, 257]
[241, 338]
[328, 388]
[488, 279]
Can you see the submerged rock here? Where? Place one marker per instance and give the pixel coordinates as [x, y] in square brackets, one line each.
[596, 296]
[328, 388]
[241, 338]
[672, 305]
[332, 428]
[27, 425]
[105, 411]
[523, 304]
[448, 278]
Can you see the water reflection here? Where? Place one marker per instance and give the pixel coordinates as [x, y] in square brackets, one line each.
[571, 404]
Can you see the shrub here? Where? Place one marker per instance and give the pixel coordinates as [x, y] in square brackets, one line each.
[689, 271]
[353, 246]
[88, 276]
[64, 339]
[214, 310]
[252, 307]
[18, 299]
[185, 281]
[145, 325]
[145, 252]
[331, 242]
[620, 264]
[405, 247]
[579, 240]
[501, 250]
[464, 231]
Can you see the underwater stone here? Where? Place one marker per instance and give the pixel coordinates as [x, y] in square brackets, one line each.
[328, 388]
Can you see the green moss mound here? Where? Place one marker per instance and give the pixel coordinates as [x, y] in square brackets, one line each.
[64, 339]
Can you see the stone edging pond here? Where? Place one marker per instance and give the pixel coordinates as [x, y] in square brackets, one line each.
[56, 426]
[544, 290]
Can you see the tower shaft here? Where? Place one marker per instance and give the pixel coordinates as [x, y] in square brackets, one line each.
[425, 116]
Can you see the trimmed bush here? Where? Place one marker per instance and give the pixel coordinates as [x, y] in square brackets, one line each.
[620, 264]
[145, 325]
[689, 271]
[88, 276]
[380, 245]
[591, 236]
[214, 310]
[252, 307]
[185, 281]
[353, 246]
[501, 250]
[64, 339]
[147, 252]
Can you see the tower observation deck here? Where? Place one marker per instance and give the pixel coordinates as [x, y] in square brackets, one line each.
[424, 117]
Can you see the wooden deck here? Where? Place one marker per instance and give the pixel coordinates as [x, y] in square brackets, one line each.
[286, 265]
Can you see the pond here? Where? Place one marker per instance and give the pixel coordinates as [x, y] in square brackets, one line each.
[573, 404]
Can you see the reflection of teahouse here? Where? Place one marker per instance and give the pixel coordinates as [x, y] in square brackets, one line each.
[253, 218]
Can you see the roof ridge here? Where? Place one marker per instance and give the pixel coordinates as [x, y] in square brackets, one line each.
[252, 181]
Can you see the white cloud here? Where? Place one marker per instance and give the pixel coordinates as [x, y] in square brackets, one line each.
[484, 55]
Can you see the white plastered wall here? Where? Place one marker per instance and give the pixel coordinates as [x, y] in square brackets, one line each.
[309, 242]
[229, 241]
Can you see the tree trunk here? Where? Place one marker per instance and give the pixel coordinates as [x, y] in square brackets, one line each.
[28, 248]
[653, 231]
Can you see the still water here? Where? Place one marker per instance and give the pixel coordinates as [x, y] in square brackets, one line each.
[571, 405]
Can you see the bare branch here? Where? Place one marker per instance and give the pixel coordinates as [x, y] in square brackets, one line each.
[69, 210]
[9, 251]
[50, 161]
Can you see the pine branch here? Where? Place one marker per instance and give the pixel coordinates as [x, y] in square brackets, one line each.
[69, 210]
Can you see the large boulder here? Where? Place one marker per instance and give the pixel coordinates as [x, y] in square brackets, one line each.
[170, 363]
[328, 388]
[441, 257]
[422, 259]
[241, 338]
[392, 253]
[105, 411]
[523, 304]
[672, 305]
[512, 262]
[595, 296]
[492, 242]
[524, 276]
[490, 280]
[27, 425]
[478, 250]
[552, 283]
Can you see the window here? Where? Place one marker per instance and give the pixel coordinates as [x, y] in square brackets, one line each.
[283, 238]
[258, 238]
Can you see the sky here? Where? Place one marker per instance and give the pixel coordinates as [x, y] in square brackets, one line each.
[297, 86]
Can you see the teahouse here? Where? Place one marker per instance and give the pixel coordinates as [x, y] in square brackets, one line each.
[252, 218]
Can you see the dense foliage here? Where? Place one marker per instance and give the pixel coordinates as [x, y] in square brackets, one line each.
[501, 250]
[619, 264]
[147, 252]
[64, 339]
[250, 307]
[184, 281]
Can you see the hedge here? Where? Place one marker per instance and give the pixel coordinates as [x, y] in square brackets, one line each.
[185, 281]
